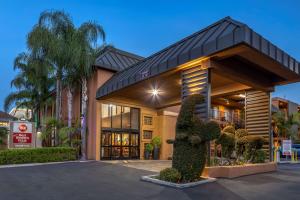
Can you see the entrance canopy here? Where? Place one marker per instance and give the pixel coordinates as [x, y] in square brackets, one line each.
[231, 45]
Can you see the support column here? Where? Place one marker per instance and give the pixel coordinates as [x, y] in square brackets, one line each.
[196, 80]
[258, 117]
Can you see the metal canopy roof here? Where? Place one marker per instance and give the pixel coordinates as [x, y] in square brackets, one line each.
[219, 36]
[115, 59]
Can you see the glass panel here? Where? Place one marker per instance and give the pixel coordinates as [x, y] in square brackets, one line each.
[116, 152]
[134, 152]
[147, 120]
[106, 116]
[116, 139]
[116, 116]
[134, 118]
[134, 139]
[125, 139]
[105, 152]
[125, 152]
[106, 139]
[126, 117]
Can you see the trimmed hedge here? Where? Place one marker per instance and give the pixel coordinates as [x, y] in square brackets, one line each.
[38, 155]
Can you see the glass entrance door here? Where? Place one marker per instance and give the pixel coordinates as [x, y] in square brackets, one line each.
[120, 132]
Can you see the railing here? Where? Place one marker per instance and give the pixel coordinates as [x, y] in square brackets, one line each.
[226, 117]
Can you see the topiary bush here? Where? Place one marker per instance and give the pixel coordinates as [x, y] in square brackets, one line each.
[260, 156]
[241, 133]
[229, 129]
[190, 144]
[254, 144]
[170, 175]
[227, 142]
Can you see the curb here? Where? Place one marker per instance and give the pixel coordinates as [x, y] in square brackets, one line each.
[40, 164]
[176, 185]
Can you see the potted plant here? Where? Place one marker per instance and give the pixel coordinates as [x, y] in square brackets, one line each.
[148, 150]
[156, 142]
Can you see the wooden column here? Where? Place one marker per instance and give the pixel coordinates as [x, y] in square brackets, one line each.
[258, 117]
[196, 80]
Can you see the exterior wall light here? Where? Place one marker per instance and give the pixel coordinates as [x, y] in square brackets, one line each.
[154, 92]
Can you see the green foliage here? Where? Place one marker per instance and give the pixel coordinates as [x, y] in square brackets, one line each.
[170, 175]
[3, 134]
[65, 134]
[284, 125]
[38, 155]
[229, 129]
[156, 141]
[149, 147]
[254, 143]
[51, 126]
[260, 156]
[227, 142]
[241, 144]
[241, 133]
[192, 135]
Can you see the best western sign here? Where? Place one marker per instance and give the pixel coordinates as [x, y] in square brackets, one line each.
[22, 135]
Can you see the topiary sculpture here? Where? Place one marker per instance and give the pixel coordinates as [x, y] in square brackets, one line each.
[190, 144]
[229, 129]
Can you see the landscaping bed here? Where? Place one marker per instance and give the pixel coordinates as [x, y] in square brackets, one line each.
[155, 179]
[38, 155]
[238, 170]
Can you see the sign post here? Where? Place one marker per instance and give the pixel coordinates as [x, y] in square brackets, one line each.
[22, 135]
[287, 147]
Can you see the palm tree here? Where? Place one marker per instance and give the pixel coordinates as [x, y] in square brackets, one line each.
[32, 83]
[87, 36]
[50, 35]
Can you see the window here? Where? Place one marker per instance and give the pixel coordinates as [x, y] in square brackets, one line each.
[147, 134]
[148, 120]
[120, 132]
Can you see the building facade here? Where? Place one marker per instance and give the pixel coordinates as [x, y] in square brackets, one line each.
[132, 99]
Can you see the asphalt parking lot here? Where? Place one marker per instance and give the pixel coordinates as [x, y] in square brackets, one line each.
[99, 180]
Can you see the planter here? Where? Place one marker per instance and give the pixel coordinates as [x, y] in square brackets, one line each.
[146, 155]
[156, 151]
[153, 179]
[238, 170]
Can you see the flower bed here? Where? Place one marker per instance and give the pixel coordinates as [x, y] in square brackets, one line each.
[238, 170]
[38, 155]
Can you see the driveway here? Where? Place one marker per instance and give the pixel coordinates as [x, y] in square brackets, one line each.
[99, 180]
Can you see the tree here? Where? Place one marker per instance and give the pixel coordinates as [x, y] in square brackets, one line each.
[284, 125]
[32, 83]
[192, 135]
[3, 134]
[87, 35]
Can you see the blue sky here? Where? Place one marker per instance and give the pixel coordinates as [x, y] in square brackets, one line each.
[144, 27]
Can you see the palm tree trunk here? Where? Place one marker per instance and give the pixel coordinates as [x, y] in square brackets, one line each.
[83, 118]
[70, 105]
[58, 104]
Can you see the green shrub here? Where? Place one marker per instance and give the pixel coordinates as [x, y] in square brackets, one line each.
[241, 145]
[190, 144]
[254, 144]
[156, 141]
[38, 155]
[229, 129]
[227, 142]
[149, 147]
[241, 133]
[170, 175]
[260, 156]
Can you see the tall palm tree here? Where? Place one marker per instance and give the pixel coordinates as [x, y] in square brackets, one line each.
[50, 35]
[32, 83]
[88, 36]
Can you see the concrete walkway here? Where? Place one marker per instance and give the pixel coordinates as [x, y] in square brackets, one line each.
[147, 165]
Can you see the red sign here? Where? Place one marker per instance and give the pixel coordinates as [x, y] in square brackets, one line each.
[22, 138]
[22, 127]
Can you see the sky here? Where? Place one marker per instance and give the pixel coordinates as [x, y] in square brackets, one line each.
[145, 27]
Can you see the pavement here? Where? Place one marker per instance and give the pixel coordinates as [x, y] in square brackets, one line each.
[103, 180]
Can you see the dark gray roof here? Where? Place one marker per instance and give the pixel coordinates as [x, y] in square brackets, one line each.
[219, 36]
[116, 59]
[5, 116]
